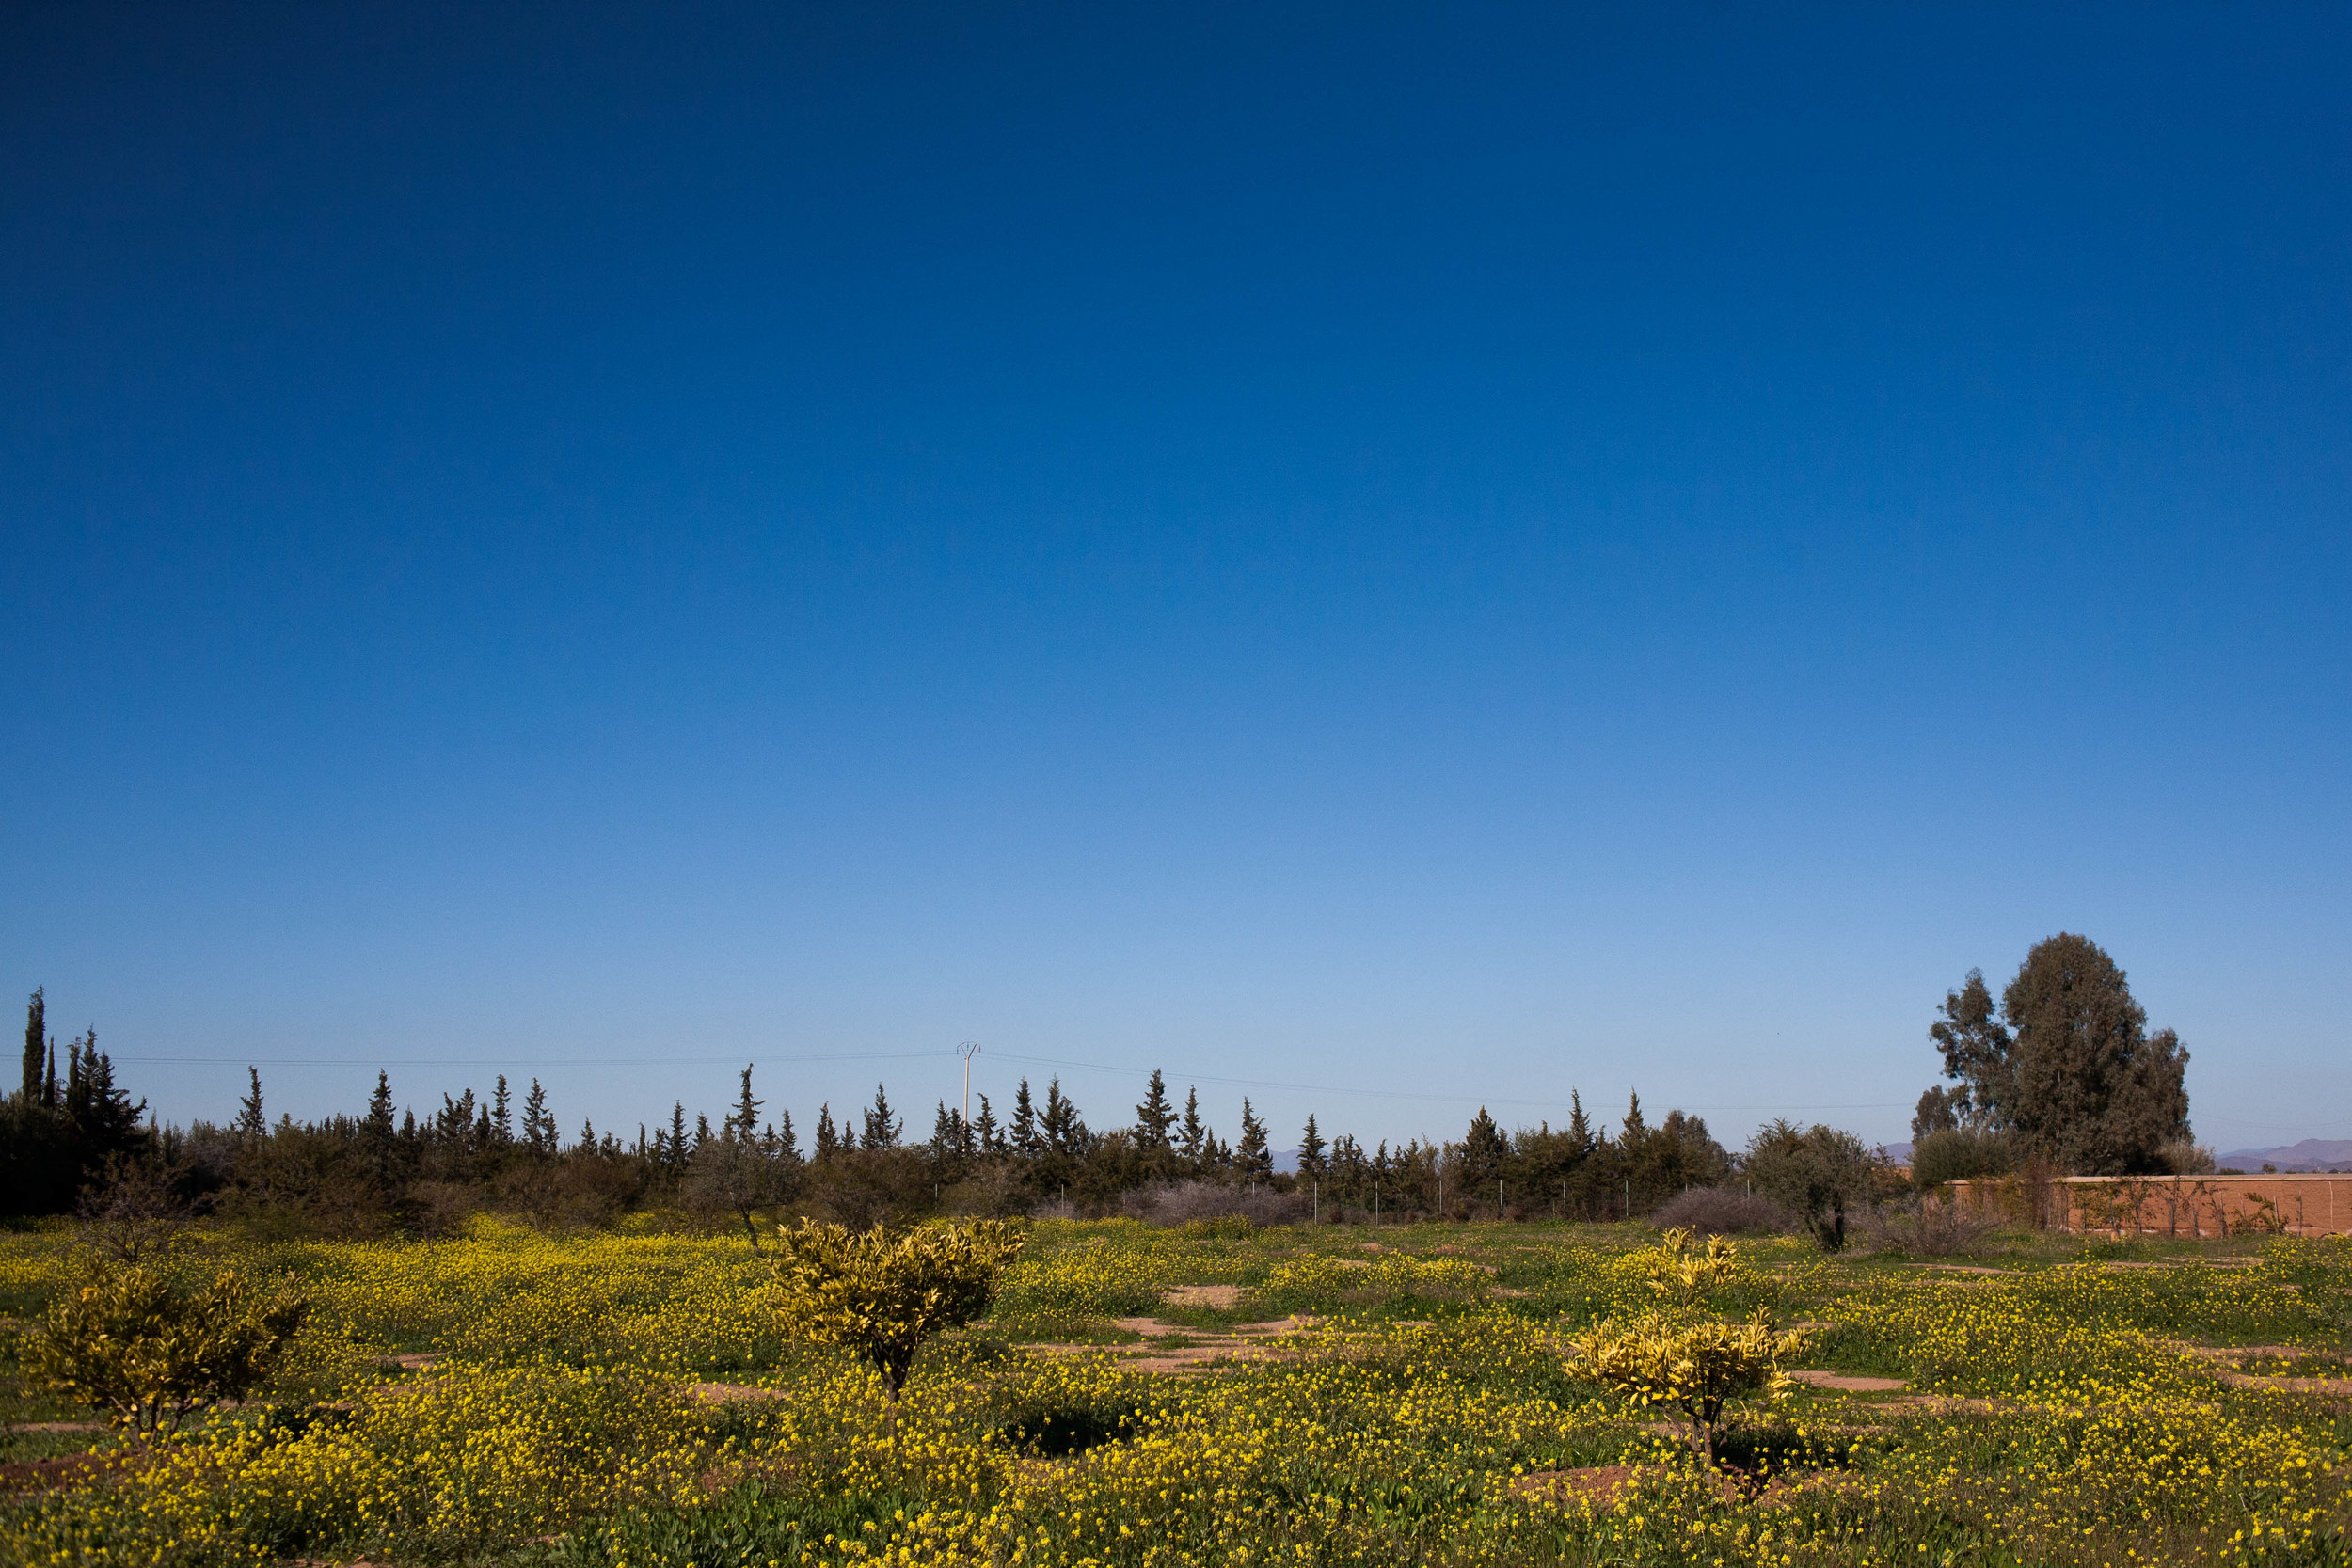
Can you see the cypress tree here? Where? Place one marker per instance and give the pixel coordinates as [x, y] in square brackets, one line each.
[1025, 1138]
[74, 1083]
[745, 1121]
[1311, 1147]
[1154, 1117]
[1580, 1127]
[250, 1122]
[1194, 1132]
[1250, 1154]
[949, 1141]
[35, 1042]
[108, 1122]
[379, 1123]
[881, 1127]
[1063, 1130]
[1484, 1149]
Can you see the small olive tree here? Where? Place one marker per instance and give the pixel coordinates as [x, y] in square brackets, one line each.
[881, 1293]
[1677, 1357]
[1693, 1366]
[150, 1352]
[1818, 1173]
[1682, 1267]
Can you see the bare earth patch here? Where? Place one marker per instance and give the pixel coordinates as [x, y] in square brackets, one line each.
[1202, 1350]
[1218, 1298]
[48, 1474]
[731, 1393]
[59, 1426]
[1845, 1383]
[2230, 1355]
[2289, 1385]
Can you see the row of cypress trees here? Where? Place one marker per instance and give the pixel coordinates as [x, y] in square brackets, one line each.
[67, 1123]
[392, 1170]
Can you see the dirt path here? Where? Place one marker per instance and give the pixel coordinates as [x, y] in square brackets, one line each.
[1198, 1350]
[1846, 1384]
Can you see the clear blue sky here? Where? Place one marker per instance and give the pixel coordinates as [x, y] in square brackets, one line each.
[1458, 551]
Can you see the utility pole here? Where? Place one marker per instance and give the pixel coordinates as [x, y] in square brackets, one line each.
[1498, 1200]
[968, 1050]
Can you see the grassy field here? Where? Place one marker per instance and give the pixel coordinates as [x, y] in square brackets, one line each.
[1149, 1397]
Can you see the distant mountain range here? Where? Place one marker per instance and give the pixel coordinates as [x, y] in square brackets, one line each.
[2310, 1154]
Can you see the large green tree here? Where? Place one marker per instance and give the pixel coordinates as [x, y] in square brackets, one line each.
[2066, 1063]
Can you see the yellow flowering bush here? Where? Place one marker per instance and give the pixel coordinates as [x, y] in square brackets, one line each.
[1695, 1365]
[882, 1293]
[1682, 1269]
[148, 1350]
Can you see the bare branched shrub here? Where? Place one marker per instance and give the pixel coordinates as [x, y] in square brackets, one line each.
[1722, 1211]
[1181, 1202]
[1937, 1229]
[133, 1213]
[2184, 1157]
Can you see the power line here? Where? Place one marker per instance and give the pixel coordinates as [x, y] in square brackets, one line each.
[1401, 1094]
[518, 1061]
[1421, 1096]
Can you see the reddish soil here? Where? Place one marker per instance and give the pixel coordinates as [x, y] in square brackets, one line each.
[1220, 1298]
[1846, 1384]
[50, 1475]
[730, 1393]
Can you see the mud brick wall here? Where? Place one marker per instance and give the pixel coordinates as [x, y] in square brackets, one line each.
[2187, 1206]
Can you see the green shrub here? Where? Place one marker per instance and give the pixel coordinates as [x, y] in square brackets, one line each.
[150, 1352]
[1961, 1154]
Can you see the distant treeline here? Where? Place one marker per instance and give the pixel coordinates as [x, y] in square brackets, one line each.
[385, 1170]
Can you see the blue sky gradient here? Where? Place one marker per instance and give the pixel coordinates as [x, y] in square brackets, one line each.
[1458, 552]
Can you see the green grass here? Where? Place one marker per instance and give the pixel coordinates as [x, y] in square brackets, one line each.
[2082, 1436]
